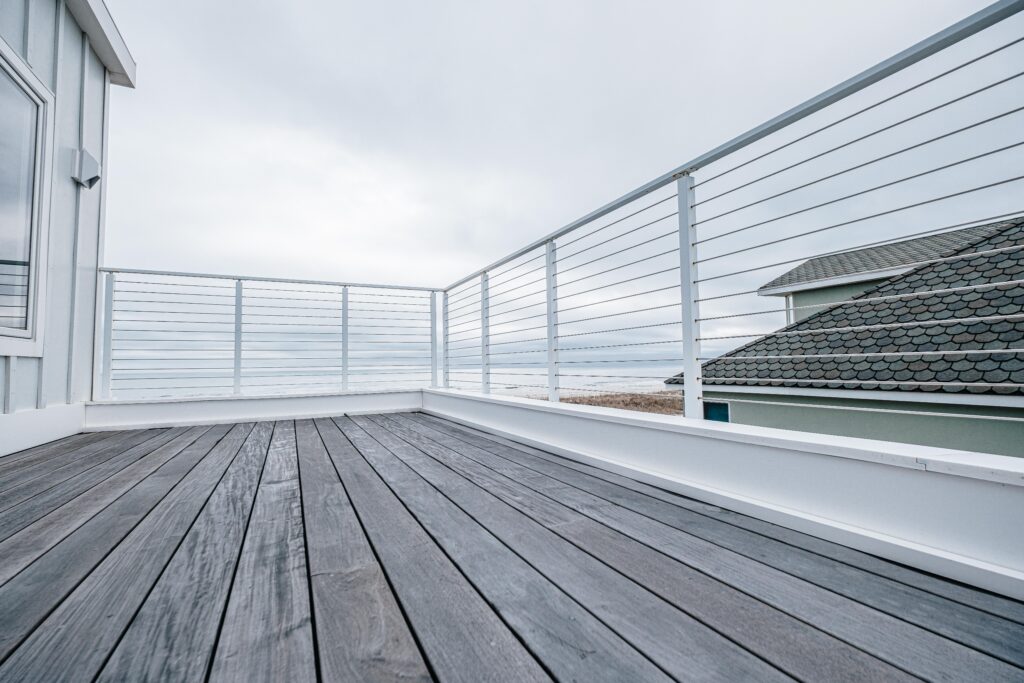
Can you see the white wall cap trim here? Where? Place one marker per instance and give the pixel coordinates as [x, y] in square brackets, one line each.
[1002, 469]
[96, 21]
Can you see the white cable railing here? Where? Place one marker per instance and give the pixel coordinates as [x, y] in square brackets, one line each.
[168, 334]
[14, 293]
[880, 206]
[868, 239]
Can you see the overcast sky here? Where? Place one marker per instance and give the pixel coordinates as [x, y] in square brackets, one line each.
[414, 142]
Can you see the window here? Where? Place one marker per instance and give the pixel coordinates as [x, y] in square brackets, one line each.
[716, 412]
[24, 103]
[17, 180]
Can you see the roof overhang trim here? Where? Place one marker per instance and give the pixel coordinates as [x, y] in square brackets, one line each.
[96, 21]
[852, 278]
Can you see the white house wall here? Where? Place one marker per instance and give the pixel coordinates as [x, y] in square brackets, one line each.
[49, 40]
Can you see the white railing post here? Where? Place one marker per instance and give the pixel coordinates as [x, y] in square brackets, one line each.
[552, 319]
[238, 337]
[433, 340]
[485, 337]
[693, 386]
[444, 337]
[106, 340]
[344, 338]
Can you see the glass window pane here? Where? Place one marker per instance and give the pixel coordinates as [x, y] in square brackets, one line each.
[17, 161]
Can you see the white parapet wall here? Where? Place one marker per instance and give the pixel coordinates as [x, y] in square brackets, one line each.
[109, 415]
[954, 513]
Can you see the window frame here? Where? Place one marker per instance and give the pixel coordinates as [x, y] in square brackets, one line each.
[29, 341]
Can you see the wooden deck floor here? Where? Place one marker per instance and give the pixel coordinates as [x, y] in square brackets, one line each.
[404, 547]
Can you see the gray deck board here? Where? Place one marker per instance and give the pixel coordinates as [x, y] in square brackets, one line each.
[568, 638]
[267, 632]
[28, 597]
[972, 597]
[461, 636]
[48, 451]
[992, 634]
[902, 644]
[24, 547]
[682, 646]
[361, 632]
[406, 547]
[173, 634]
[803, 652]
[22, 488]
[27, 511]
[74, 641]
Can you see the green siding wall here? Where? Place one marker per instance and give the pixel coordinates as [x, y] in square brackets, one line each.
[827, 295]
[1004, 437]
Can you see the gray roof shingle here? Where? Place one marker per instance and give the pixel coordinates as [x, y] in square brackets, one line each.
[937, 320]
[882, 257]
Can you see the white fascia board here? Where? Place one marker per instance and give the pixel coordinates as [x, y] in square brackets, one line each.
[852, 278]
[990, 400]
[96, 21]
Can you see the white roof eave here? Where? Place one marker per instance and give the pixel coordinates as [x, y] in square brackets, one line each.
[96, 21]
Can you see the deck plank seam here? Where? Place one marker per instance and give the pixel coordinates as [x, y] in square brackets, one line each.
[542, 573]
[125, 459]
[697, 619]
[84, 520]
[85, 576]
[125, 435]
[305, 549]
[171, 555]
[515, 634]
[211, 655]
[376, 556]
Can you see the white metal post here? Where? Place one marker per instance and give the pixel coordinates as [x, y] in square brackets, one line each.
[485, 337]
[444, 336]
[344, 338]
[693, 389]
[552, 318]
[108, 334]
[433, 340]
[238, 336]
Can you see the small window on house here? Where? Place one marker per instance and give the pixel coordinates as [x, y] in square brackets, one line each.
[19, 119]
[716, 412]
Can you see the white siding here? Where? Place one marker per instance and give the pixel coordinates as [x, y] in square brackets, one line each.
[46, 36]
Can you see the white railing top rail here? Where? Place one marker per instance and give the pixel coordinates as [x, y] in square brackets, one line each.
[251, 278]
[965, 28]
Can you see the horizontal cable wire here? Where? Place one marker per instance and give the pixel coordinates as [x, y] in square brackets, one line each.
[888, 297]
[620, 282]
[859, 328]
[861, 219]
[868, 354]
[620, 346]
[1005, 385]
[922, 233]
[861, 165]
[672, 233]
[852, 115]
[674, 250]
[860, 193]
[615, 237]
[617, 221]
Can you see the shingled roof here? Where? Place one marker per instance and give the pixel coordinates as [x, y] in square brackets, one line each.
[928, 318]
[881, 258]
